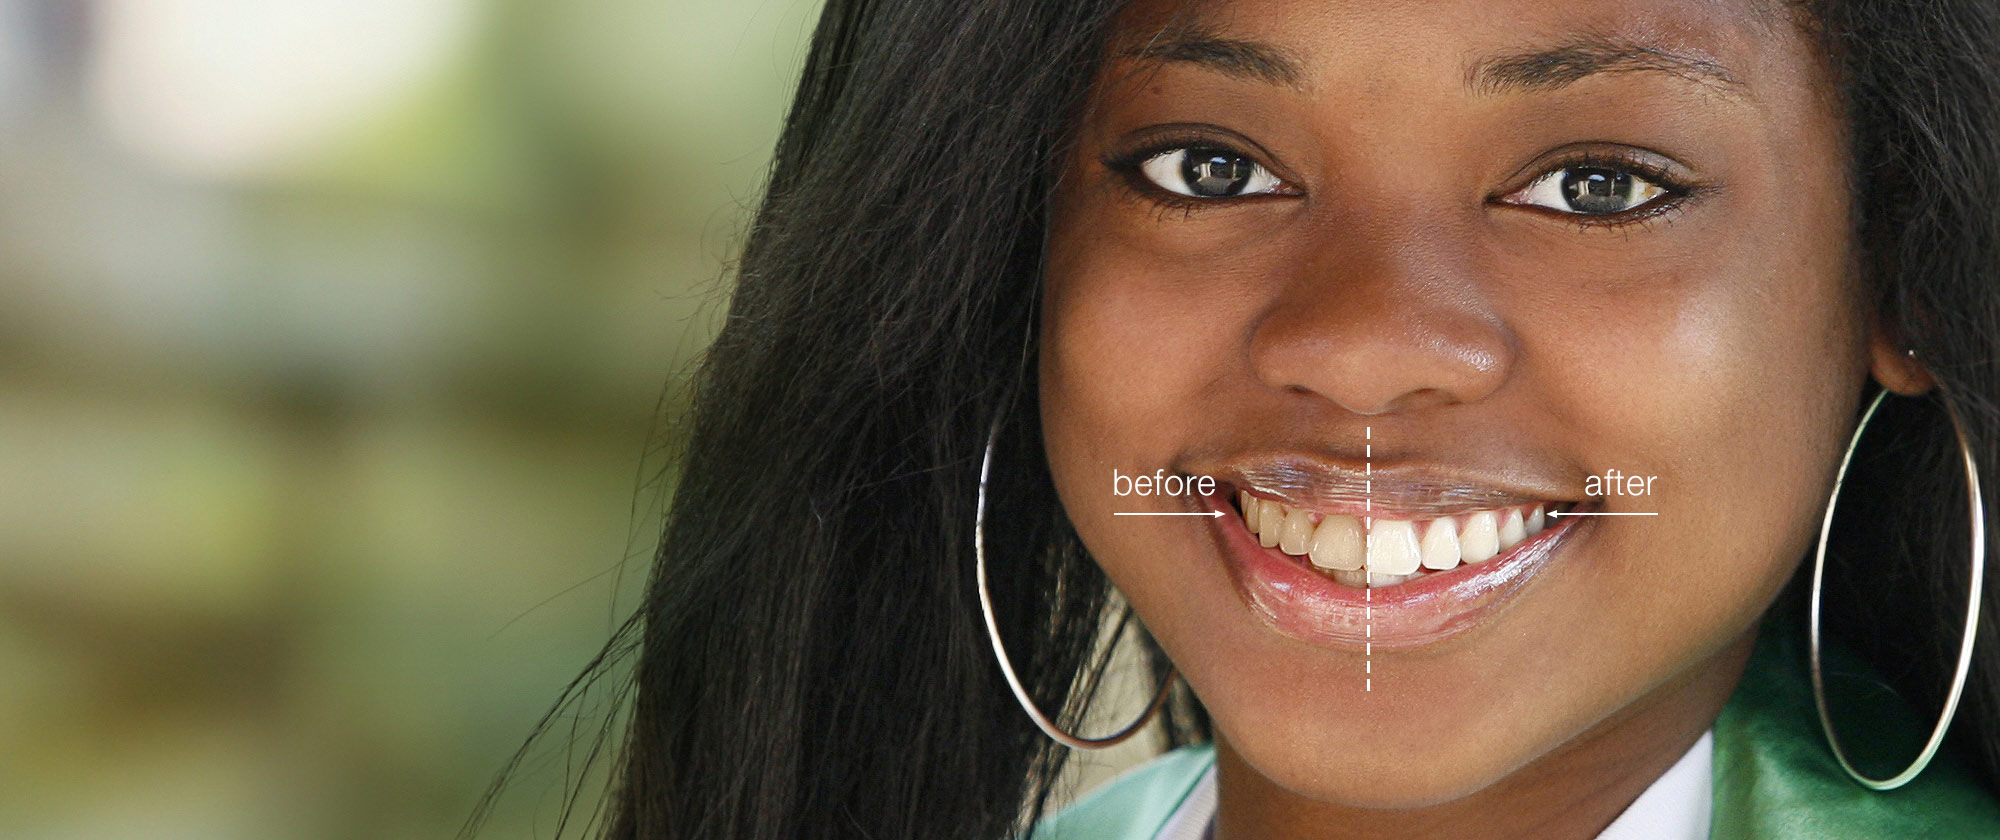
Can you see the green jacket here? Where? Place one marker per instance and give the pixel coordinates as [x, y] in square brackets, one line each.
[1774, 778]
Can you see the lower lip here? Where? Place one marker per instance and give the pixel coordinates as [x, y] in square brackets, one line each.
[1427, 610]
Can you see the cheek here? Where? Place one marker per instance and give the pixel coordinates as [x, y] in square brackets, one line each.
[1129, 351]
[1732, 376]
[1730, 372]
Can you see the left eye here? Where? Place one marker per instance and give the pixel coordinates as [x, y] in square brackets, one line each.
[1208, 173]
[1588, 191]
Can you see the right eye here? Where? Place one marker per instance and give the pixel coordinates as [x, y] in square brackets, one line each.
[1208, 173]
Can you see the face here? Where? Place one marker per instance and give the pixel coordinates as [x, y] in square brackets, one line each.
[1399, 276]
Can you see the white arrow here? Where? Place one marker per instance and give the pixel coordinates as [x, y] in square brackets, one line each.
[1210, 513]
[1554, 514]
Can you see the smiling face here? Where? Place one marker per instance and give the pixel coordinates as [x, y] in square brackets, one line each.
[1396, 269]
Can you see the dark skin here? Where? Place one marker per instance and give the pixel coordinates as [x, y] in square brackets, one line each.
[1395, 265]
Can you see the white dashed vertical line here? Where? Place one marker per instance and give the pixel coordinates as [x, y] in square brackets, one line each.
[1368, 541]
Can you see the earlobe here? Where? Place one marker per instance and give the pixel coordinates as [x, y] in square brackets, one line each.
[1896, 366]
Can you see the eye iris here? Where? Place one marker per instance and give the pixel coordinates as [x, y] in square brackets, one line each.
[1212, 173]
[1590, 189]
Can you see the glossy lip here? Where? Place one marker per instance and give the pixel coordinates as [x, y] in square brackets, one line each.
[1308, 606]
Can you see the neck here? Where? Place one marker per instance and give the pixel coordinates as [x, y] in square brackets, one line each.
[1570, 793]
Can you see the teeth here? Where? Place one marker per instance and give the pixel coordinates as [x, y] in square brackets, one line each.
[1269, 516]
[1338, 544]
[1395, 549]
[1295, 535]
[1392, 547]
[1512, 530]
[1440, 544]
[1481, 539]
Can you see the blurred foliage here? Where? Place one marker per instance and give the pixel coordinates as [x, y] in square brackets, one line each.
[334, 338]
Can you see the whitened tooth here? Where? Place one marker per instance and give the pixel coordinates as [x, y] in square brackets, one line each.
[1440, 545]
[1270, 515]
[1351, 577]
[1380, 580]
[1250, 508]
[1512, 530]
[1481, 538]
[1296, 535]
[1535, 521]
[1392, 547]
[1337, 544]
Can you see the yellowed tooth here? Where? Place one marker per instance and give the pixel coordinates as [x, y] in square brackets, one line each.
[1480, 540]
[1337, 543]
[1295, 535]
[1351, 577]
[1512, 529]
[1535, 521]
[1392, 547]
[1270, 515]
[1250, 508]
[1440, 544]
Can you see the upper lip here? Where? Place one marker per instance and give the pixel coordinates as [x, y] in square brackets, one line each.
[1386, 488]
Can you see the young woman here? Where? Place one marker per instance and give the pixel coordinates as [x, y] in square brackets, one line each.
[1520, 344]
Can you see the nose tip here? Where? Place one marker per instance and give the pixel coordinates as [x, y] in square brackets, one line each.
[1381, 344]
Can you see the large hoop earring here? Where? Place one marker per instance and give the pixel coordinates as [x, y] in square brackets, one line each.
[1042, 721]
[1978, 512]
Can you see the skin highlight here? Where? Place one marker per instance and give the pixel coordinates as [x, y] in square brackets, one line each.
[1721, 343]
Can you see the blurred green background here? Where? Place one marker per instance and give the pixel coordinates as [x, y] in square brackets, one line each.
[334, 343]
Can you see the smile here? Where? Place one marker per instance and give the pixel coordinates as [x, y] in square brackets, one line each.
[1382, 551]
[1410, 563]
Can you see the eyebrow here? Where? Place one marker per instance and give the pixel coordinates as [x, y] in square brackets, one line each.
[1251, 60]
[1573, 61]
[1533, 71]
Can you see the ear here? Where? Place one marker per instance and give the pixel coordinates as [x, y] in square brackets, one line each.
[1894, 365]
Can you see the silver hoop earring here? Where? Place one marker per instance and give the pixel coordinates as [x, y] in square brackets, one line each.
[1042, 721]
[1978, 511]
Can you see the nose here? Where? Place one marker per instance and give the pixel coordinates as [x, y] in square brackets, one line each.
[1385, 320]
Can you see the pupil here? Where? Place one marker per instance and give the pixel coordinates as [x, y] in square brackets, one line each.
[1214, 174]
[1592, 189]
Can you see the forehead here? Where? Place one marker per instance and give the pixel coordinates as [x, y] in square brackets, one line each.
[1730, 46]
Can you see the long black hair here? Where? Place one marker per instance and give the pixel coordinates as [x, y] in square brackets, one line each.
[813, 661]
[1920, 81]
[810, 656]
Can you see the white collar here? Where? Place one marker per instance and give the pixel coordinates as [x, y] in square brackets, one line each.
[1674, 807]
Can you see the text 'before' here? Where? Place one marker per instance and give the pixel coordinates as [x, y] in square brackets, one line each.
[1161, 483]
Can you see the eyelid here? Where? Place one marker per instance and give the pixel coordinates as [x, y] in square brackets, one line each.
[1154, 139]
[1653, 166]
[1677, 189]
[1126, 157]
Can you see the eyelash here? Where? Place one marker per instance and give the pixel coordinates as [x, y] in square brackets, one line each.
[1675, 193]
[1675, 196]
[1126, 164]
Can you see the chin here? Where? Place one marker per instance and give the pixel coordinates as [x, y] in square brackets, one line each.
[1382, 770]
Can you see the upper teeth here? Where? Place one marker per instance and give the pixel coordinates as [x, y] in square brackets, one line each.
[1389, 550]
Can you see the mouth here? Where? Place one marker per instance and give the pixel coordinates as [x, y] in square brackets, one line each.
[1367, 550]
[1356, 573]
